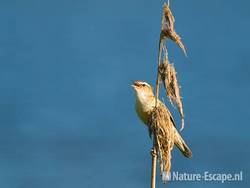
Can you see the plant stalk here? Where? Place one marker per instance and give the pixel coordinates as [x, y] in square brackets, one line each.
[153, 165]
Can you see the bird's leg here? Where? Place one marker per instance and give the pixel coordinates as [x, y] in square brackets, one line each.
[153, 152]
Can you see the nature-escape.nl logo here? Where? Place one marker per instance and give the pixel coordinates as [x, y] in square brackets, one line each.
[205, 176]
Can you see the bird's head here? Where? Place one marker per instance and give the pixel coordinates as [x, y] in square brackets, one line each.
[143, 90]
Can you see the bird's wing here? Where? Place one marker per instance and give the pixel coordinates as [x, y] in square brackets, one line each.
[181, 145]
[171, 118]
[178, 140]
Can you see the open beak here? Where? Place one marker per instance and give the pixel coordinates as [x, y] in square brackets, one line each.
[135, 84]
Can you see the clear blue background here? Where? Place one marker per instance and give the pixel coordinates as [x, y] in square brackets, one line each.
[67, 109]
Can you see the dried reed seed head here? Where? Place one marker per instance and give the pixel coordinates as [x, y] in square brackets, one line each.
[172, 88]
[167, 24]
[162, 128]
[167, 12]
[167, 28]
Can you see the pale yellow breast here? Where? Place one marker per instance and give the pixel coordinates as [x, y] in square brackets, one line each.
[143, 111]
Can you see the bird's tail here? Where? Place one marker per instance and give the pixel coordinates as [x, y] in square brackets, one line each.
[181, 145]
[166, 154]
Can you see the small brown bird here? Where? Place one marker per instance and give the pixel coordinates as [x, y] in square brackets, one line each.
[164, 131]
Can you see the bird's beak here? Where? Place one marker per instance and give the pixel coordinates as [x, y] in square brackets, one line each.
[135, 84]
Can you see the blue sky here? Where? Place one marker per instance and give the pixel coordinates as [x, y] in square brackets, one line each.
[67, 108]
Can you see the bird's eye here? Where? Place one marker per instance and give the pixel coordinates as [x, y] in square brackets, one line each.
[143, 85]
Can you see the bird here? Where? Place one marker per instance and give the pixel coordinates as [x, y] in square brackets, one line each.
[164, 130]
